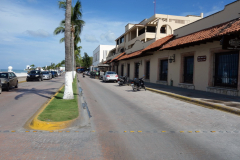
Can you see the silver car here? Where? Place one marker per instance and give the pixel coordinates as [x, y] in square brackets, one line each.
[47, 75]
[110, 76]
[8, 80]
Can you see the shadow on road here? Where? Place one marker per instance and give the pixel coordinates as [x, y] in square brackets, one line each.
[40, 92]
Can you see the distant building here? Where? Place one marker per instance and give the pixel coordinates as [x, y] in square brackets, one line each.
[100, 54]
[28, 67]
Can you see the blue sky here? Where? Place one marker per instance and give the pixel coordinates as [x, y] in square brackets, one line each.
[26, 26]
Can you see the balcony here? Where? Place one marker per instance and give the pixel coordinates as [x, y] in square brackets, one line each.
[148, 35]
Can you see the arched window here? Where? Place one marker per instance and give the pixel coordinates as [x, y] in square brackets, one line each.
[163, 29]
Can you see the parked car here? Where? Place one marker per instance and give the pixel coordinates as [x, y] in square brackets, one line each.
[47, 75]
[34, 75]
[53, 74]
[0, 87]
[8, 80]
[59, 73]
[56, 73]
[110, 76]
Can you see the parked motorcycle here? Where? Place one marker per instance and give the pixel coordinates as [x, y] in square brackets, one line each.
[123, 80]
[138, 84]
[83, 75]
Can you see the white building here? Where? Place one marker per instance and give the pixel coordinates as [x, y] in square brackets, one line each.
[100, 54]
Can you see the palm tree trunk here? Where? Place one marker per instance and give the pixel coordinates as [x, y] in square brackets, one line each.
[73, 73]
[68, 93]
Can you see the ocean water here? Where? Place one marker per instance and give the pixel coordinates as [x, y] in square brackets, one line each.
[14, 70]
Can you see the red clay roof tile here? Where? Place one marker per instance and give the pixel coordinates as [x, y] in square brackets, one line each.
[159, 42]
[209, 33]
[131, 55]
[116, 58]
[155, 44]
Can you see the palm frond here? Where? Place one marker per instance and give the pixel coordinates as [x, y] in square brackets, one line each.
[59, 30]
[62, 40]
[62, 4]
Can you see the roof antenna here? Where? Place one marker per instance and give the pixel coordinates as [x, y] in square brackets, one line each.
[154, 6]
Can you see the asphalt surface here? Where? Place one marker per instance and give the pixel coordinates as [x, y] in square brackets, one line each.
[147, 125]
[124, 125]
[19, 104]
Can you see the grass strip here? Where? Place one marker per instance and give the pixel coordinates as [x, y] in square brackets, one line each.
[61, 109]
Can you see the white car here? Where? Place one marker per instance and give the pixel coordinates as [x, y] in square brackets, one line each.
[110, 76]
[59, 73]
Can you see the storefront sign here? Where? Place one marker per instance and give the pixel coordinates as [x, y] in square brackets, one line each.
[201, 58]
[231, 42]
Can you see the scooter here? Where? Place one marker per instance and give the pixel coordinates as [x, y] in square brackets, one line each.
[122, 80]
[138, 84]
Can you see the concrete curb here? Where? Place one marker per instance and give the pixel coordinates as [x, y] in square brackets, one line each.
[49, 126]
[198, 102]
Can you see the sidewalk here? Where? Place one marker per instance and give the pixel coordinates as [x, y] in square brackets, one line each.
[219, 101]
[22, 79]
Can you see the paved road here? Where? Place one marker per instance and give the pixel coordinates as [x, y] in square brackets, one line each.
[127, 125]
[18, 105]
[188, 127]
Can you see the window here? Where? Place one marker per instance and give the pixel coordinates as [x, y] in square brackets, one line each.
[151, 29]
[105, 54]
[3, 75]
[118, 42]
[163, 29]
[226, 69]
[147, 69]
[122, 39]
[128, 70]
[163, 70]
[137, 70]
[110, 72]
[188, 69]
[141, 31]
[122, 69]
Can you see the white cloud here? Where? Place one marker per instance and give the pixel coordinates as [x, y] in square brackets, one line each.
[17, 21]
[102, 30]
[38, 33]
[90, 38]
[108, 36]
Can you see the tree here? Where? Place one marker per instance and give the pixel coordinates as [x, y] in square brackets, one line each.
[32, 67]
[86, 60]
[78, 56]
[76, 24]
[68, 92]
